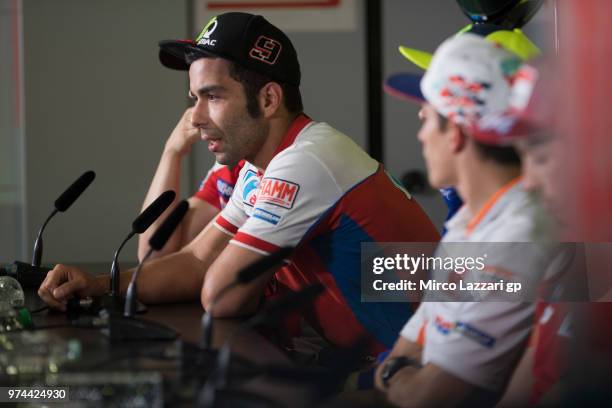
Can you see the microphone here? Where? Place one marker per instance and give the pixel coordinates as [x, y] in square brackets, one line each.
[126, 327]
[246, 275]
[252, 271]
[31, 275]
[139, 225]
[64, 202]
[157, 242]
[153, 211]
[271, 312]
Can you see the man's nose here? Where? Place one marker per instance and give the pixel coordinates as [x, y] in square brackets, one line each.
[199, 115]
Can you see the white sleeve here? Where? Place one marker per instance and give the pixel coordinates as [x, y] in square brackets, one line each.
[295, 192]
[416, 324]
[479, 342]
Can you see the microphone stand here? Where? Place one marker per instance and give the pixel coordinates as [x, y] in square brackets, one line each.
[127, 328]
[219, 380]
[217, 385]
[38, 244]
[207, 319]
[248, 274]
[113, 301]
[33, 275]
[114, 273]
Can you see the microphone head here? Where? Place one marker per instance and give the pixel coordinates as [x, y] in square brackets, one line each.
[153, 211]
[252, 271]
[74, 191]
[161, 235]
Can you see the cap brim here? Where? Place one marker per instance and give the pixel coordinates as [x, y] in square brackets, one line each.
[515, 128]
[405, 86]
[421, 59]
[178, 54]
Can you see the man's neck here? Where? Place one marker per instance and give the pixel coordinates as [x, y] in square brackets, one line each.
[480, 180]
[279, 126]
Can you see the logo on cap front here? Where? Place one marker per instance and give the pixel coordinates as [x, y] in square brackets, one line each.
[266, 50]
[204, 37]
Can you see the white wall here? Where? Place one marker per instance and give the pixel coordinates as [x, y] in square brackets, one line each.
[96, 98]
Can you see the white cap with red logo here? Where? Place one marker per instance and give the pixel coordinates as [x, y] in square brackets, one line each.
[476, 83]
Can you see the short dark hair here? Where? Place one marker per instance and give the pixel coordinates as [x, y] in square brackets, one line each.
[502, 155]
[253, 81]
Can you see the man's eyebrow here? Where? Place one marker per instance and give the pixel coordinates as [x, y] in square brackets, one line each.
[206, 90]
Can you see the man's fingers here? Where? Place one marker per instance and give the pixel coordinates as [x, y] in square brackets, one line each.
[48, 298]
[55, 277]
[59, 284]
[66, 290]
[52, 280]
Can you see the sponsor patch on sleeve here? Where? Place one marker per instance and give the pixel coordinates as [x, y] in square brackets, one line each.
[224, 189]
[281, 193]
[266, 216]
[249, 189]
[465, 330]
[475, 334]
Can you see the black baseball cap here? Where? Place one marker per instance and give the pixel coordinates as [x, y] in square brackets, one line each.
[245, 39]
[510, 14]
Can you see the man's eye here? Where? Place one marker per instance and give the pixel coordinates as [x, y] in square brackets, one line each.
[212, 97]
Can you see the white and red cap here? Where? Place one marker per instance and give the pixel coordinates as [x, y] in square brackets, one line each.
[479, 85]
[535, 121]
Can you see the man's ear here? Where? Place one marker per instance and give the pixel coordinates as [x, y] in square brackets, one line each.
[457, 137]
[270, 99]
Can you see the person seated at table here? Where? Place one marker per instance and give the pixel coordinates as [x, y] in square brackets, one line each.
[463, 353]
[304, 185]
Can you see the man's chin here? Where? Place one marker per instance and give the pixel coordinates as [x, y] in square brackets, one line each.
[224, 159]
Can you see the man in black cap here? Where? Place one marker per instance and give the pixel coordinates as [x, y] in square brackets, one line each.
[211, 197]
[304, 184]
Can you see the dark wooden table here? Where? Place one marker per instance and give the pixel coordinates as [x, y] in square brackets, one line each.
[100, 355]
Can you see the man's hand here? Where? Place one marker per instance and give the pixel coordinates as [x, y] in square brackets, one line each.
[64, 282]
[400, 392]
[183, 136]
